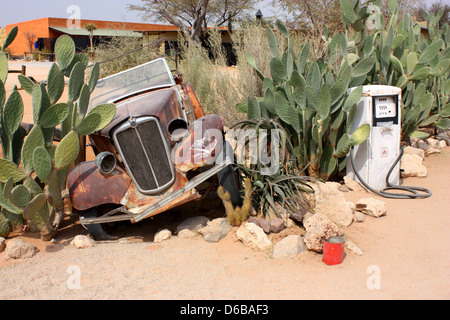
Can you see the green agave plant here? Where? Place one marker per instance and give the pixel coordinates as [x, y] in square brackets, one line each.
[312, 102]
[33, 171]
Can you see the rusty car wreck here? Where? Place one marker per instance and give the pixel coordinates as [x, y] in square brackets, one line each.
[157, 153]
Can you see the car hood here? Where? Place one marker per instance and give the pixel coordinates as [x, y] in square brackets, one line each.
[162, 103]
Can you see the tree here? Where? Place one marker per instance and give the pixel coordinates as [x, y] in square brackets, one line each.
[91, 28]
[310, 16]
[437, 8]
[30, 38]
[188, 16]
[193, 16]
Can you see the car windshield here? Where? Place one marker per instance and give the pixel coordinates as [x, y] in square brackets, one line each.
[154, 74]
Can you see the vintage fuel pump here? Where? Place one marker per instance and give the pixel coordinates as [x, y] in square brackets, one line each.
[376, 162]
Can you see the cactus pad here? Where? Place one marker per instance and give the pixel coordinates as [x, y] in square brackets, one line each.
[7, 188]
[64, 51]
[34, 206]
[42, 163]
[93, 78]
[34, 139]
[76, 81]
[55, 83]
[360, 135]
[41, 101]
[8, 170]
[107, 112]
[67, 151]
[3, 67]
[26, 84]
[54, 115]
[13, 113]
[5, 226]
[20, 196]
[89, 124]
[10, 38]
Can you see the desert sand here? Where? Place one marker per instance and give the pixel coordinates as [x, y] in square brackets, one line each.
[406, 256]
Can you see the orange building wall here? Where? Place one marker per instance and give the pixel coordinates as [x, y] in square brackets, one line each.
[41, 28]
[37, 27]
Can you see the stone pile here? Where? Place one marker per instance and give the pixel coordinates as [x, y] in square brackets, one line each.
[432, 145]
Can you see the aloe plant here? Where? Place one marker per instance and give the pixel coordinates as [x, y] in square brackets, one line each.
[34, 170]
[312, 102]
[271, 190]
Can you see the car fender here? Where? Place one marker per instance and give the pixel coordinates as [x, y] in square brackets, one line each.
[89, 188]
[201, 146]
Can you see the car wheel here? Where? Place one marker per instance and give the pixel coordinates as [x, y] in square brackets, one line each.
[96, 230]
[228, 180]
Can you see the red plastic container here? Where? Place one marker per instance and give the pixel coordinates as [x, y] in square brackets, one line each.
[333, 251]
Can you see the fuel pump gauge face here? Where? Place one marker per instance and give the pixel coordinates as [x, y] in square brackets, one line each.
[385, 107]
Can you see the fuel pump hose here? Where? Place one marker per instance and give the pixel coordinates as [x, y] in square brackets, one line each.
[412, 192]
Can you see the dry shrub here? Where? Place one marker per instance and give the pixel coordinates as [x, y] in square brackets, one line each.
[117, 47]
[219, 87]
[213, 81]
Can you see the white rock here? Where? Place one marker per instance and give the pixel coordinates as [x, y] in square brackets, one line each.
[442, 144]
[358, 216]
[186, 234]
[163, 235]
[353, 185]
[254, 237]
[417, 151]
[19, 249]
[193, 224]
[318, 229]
[412, 166]
[433, 143]
[289, 248]
[332, 203]
[353, 248]
[82, 242]
[216, 230]
[371, 207]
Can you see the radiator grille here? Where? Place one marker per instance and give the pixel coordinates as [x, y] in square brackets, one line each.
[145, 152]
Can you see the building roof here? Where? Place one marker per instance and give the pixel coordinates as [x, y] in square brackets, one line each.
[50, 22]
[98, 32]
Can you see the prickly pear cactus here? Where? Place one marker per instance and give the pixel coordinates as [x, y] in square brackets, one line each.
[409, 56]
[33, 171]
[311, 100]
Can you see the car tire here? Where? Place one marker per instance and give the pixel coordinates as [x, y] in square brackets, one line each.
[228, 179]
[96, 230]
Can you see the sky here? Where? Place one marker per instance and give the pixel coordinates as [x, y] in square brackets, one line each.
[14, 11]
